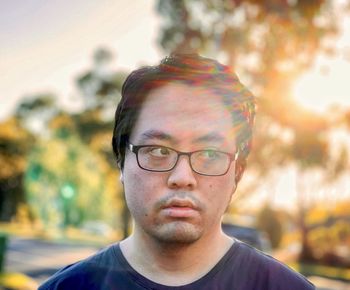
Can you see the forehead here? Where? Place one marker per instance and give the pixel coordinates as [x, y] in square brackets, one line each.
[184, 111]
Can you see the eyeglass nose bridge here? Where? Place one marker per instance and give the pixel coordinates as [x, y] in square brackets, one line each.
[179, 154]
[135, 149]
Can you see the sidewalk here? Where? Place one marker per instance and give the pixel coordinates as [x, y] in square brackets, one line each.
[37, 260]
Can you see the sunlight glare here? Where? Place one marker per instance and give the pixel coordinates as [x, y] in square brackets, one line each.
[327, 82]
[324, 86]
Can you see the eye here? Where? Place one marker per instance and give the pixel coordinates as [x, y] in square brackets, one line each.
[159, 151]
[209, 154]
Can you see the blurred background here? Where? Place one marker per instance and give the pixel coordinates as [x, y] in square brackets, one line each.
[62, 65]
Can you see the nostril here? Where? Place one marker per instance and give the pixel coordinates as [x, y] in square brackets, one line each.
[178, 185]
[182, 175]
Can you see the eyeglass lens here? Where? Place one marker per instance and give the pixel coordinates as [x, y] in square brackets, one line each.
[157, 158]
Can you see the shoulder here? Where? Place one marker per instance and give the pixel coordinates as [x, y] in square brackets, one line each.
[85, 274]
[263, 269]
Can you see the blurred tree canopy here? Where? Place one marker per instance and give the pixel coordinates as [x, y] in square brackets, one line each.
[15, 143]
[269, 44]
[74, 180]
[61, 163]
[269, 221]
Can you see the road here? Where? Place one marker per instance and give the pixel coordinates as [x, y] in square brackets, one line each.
[40, 259]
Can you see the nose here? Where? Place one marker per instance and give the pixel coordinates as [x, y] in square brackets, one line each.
[182, 176]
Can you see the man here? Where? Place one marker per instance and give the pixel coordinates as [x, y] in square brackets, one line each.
[182, 135]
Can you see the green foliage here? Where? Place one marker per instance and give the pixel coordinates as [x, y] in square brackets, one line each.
[61, 163]
[329, 234]
[35, 104]
[15, 142]
[65, 183]
[100, 86]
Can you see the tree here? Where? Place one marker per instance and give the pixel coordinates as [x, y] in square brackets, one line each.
[72, 179]
[15, 142]
[68, 164]
[269, 222]
[17, 136]
[35, 111]
[269, 43]
[101, 88]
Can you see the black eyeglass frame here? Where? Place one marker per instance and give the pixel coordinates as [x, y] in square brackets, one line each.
[135, 149]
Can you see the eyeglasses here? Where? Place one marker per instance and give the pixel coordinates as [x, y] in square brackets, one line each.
[161, 159]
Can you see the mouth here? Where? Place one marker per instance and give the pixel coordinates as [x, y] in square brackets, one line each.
[180, 208]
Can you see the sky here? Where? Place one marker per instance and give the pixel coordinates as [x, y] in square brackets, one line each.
[45, 45]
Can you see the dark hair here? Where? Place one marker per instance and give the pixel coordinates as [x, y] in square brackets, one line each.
[193, 70]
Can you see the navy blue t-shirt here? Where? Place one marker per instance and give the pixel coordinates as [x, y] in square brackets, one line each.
[241, 268]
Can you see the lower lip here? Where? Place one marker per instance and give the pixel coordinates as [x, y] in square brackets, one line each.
[179, 212]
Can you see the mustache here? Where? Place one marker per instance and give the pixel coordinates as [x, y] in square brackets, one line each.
[183, 196]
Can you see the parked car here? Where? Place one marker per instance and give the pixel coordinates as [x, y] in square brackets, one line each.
[249, 235]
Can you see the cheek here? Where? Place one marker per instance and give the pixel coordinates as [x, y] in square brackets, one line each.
[212, 193]
[141, 192]
[219, 192]
[134, 194]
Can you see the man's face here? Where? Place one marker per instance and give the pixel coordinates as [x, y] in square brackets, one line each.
[180, 206]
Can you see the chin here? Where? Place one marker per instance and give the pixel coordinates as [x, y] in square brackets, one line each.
[177, 233]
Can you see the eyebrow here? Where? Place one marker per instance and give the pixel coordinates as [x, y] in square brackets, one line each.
[162, 136]
[210, 137]
[155, 134]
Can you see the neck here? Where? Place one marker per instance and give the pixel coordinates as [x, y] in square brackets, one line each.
[174, 264]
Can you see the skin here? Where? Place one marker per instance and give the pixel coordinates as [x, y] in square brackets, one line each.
[178, 214]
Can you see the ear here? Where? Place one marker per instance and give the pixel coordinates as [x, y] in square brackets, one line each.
[240, 167]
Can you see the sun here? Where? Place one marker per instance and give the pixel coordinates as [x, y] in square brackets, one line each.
[327, 82]
[325, 85]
